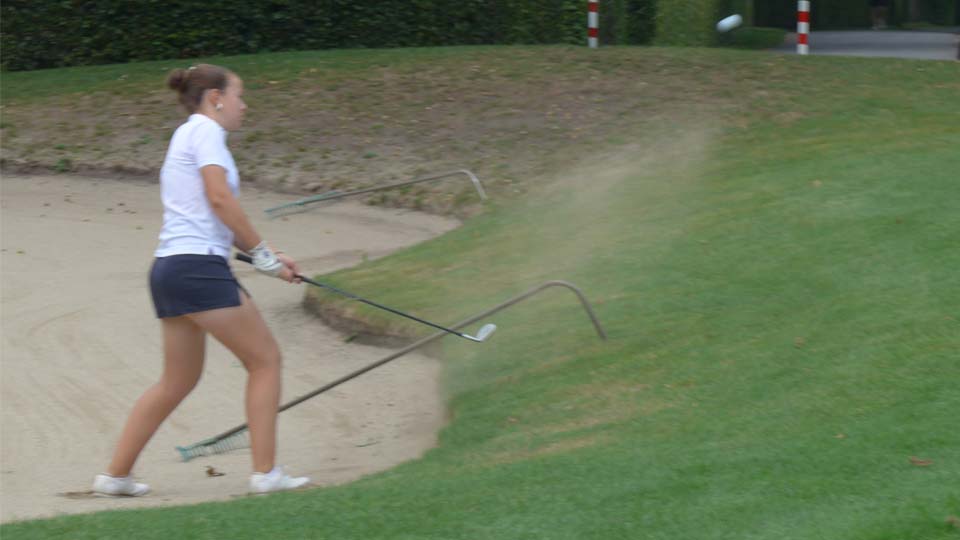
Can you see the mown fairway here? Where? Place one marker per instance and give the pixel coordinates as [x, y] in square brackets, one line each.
[771, 243]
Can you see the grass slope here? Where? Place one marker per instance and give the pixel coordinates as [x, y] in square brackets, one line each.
[777, 273]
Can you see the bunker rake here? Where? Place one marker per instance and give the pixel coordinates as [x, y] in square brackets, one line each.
[236, 438]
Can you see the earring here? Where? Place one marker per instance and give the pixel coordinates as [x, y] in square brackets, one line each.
[219, 106]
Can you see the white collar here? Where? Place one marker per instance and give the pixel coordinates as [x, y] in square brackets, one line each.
[197, 117]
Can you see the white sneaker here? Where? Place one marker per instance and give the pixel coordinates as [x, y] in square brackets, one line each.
[275, 480]
[118, 486]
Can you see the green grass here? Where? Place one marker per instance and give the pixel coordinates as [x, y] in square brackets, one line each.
[135, 78]
[778, 278]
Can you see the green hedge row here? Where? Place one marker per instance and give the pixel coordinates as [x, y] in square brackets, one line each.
[55, 33]
[627, 22]
[688, 22]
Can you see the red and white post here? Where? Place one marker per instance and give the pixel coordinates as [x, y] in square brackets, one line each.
[593, 23]
[803, 27]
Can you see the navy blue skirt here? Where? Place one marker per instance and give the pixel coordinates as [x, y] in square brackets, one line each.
[182, 284]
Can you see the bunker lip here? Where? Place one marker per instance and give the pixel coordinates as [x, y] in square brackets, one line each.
[76, 358]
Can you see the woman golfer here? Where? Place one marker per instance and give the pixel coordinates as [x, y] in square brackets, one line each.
[193, 289]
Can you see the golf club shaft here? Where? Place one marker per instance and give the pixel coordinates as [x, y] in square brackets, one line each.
[247, 259]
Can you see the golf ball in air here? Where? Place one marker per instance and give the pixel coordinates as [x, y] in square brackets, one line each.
[729, 23]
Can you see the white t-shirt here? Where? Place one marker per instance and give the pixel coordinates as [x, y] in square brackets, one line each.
[189, 224]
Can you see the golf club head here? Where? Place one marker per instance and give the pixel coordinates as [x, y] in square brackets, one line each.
[484, 332]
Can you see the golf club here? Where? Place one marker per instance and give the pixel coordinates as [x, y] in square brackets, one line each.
[482, 335]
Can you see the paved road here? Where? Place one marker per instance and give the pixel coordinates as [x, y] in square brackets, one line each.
[885, 43]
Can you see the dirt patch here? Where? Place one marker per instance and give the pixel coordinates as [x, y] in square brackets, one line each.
[514, 116]
[558, 447]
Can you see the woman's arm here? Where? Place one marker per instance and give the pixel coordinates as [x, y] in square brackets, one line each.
[228, 209]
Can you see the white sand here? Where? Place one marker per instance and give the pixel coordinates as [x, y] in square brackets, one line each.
[80, 343]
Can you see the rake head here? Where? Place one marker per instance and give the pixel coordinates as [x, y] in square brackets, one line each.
[210, 447]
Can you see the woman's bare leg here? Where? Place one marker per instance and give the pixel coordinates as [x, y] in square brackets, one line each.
[183, 351]
[242, 330]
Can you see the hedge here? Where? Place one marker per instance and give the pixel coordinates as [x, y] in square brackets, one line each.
[690, 22]
[38, 34]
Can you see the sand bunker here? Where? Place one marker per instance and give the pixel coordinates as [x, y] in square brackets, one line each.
[80, 343]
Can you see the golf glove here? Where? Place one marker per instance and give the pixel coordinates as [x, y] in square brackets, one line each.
[265, 260]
